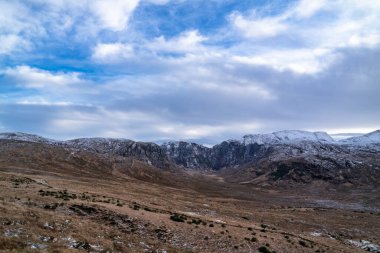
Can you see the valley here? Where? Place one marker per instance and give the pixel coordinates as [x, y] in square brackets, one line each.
[56, 198]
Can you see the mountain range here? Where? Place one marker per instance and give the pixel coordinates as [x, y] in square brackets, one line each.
[284, 157]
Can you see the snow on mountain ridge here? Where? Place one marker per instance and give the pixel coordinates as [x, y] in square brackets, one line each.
[18, 136]
[287, 136]
[370, 138]
[280, 137]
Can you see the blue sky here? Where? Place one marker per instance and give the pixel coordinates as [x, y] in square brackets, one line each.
[206, 71]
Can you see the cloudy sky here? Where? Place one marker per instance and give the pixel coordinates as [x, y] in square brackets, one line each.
[188, 69]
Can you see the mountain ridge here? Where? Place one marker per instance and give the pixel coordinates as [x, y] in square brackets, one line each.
[278, 137]
[280, 157]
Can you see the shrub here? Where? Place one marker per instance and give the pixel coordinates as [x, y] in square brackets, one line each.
[302, 243]
[136, 207]
[178, 218]
[264, 249]
[197, 222]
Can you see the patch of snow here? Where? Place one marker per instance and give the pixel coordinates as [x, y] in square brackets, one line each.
[48, 225]
[13, 232]
[316, 234]
[366, 245]
[38, 246]
[192, 214]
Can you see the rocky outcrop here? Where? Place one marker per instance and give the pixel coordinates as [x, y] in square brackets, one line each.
[148, 152]
[284, 157]
[189, 155]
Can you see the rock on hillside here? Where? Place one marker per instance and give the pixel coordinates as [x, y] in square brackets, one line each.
[147, 152]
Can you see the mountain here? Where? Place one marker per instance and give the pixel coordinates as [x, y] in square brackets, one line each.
[281, 137]
[147, 152]
[284, 157]
[370, 138]
[25, 137]
[255, 147]
[188, 155]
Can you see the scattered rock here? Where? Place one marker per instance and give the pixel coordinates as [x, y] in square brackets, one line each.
[366, 245]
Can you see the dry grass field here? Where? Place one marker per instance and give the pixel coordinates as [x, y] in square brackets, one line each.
[57, 201]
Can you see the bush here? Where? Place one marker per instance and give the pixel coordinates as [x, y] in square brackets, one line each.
[196, 222]
[264, 249]
[178, 218]
[302, 243]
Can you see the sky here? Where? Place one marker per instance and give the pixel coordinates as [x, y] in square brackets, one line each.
[206, 71]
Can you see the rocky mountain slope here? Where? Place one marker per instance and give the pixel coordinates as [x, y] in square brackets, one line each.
[147, 152]
[286, 157]
[280, 157]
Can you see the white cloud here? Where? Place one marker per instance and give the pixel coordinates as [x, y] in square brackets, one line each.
[11, 17]
[307, 8]
[362, 130]
[301, 61]
[41, 101]
[112, 52]
[188, 41]
[367, 40]
[177, 131]
[113, 15]
[306, 37]
[159, 2]
[36, 78]
[253, 27]
[12, 43]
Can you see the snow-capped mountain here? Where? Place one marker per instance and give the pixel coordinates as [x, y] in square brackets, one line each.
[26, 137]
[287, 136]
[286, 155]
[370, 138]
[250, 148]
